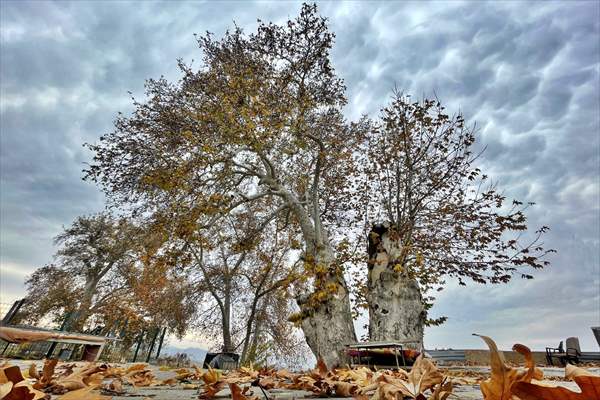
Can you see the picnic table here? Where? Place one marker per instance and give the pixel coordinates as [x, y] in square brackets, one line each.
[359, 351]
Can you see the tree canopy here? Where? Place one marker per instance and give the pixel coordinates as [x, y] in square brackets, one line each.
[258, 129]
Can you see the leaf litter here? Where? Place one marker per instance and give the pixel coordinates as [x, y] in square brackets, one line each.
[423, 382]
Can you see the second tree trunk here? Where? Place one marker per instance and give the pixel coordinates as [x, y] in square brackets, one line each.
[396, 309]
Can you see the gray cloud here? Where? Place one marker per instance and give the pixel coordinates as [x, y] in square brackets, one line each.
[528, 73]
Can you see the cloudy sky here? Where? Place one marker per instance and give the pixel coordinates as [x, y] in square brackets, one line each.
[527, 73]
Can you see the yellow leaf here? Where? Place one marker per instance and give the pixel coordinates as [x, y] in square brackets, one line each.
[498, 386]
[211, 376]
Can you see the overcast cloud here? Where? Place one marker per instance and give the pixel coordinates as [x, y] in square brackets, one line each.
[528, 73]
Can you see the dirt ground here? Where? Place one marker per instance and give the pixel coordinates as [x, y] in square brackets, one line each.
[466, 377]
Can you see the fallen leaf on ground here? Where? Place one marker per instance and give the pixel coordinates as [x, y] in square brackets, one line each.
[587, 382]
[442, 391]
[24, 391]
[45, 379]
[136, 367]
[345, 389]
[211, 390]
[5, 389]
[141, 378]
[424, 375]
[498, 386]
[169, 381]
[238, 394]
[114, 388]
[16, 387]
[211, 376]
[11, 373]
[32, 371]
[322, 367]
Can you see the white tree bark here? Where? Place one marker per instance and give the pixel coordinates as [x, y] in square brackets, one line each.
[328, 328]
[396, 309]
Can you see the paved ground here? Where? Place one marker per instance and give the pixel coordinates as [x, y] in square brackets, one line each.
[178, 392]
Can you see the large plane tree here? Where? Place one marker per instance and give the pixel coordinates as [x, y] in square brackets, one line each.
[262, 118]
[436, 216]
[260, 121]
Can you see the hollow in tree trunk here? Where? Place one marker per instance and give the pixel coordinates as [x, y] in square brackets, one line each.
[396, 309]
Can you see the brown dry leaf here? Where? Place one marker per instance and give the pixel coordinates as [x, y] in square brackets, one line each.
[66, 369]
[424, 375]
[169, 381]
[178, 371]
[115, 387]
[24, 391]
[361, 376]
[11, 373]
[68, 384]
[249, 371]
[5, 389]
[304, 383]
[442, 391]
[391, 388]
[497, 387]
[187, 375]
[48, 370]
[114, 372]
[94, 379]
[135, 367]
[322, 367]
[20, 389]
[47, 373]
[268, 382]
[285, 374]
[238, 394]
[33, 371]
[345, 389]
[89, 375]
[141, 378]
[587, 382]
[211, 390]
[84, 394]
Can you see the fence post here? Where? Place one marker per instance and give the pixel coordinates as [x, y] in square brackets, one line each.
[14, 309]
[160, 343]
[8, 315]
[152, 345]
[137, 348]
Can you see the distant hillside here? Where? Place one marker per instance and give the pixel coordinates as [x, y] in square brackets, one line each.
[194, 353]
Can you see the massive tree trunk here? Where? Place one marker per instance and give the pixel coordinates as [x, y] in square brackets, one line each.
[327, 317]
[396, 309]
[77, 319]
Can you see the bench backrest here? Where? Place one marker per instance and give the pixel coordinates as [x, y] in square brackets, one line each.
[573, 343]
